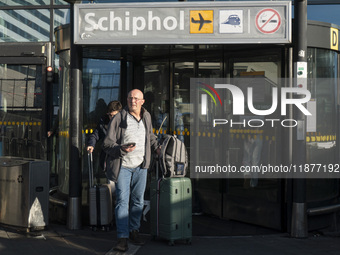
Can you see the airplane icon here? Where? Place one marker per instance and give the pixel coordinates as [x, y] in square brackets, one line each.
[201, 21]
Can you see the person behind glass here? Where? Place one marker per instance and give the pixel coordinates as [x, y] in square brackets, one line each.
[99, 133]
[55, 128]
[129, 144]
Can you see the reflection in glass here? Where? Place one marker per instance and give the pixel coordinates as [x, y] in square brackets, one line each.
[101, 85]
[60, 2]
[61, 17]
[64, 122]
[24, 25]
[253, 146]
[156, 95]
[322, 67]
[24, 2]
[183, 71]
[21, 111]
[321, 143]
[101, 80]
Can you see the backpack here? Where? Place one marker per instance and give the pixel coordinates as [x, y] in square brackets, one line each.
[173, 158]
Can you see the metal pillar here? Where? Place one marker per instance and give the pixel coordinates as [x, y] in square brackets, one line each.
[76, 121]
[299, 226]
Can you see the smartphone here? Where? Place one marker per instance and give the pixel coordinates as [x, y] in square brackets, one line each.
[129, 144]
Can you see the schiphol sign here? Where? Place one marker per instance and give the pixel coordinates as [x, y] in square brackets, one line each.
[183, 23]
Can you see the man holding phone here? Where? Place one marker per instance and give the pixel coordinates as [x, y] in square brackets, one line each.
[129, 143]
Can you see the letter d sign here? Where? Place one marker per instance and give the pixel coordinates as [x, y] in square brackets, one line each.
[334, 39]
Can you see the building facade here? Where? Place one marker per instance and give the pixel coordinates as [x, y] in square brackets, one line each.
[36, 35]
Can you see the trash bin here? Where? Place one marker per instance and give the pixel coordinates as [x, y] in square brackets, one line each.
[24, 192]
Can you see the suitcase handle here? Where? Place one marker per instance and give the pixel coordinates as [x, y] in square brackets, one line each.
[90, 162]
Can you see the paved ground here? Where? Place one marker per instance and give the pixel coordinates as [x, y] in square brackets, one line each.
[58, 240]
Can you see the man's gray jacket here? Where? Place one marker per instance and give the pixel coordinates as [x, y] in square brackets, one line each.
[113, 140]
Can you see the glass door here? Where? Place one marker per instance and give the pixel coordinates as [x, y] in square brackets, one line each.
[101, 85]
[22, 121]
[157, 95]
[208, 193]
[182, 72]
[167, 80]
[250, 199]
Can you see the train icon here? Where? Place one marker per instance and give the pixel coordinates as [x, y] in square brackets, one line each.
[233, 20]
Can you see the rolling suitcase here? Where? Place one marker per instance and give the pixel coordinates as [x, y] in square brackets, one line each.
[100, 202]
[171, 209]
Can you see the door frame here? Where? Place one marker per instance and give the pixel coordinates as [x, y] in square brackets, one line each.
[46, 108]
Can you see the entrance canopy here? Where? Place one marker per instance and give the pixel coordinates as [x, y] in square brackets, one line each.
[183, 23]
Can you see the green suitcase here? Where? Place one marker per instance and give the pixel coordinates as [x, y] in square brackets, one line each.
[171, 209]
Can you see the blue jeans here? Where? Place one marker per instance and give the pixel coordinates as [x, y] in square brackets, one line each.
[130, 188]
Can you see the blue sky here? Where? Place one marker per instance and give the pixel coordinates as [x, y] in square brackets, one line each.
[325, 13]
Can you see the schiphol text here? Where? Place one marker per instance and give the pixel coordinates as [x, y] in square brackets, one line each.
[256, 123]
[133, 24]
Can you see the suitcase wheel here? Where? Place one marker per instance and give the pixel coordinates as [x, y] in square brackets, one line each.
[188, 241]
[171, 243]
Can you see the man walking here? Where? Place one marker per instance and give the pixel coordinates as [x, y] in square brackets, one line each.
[129, 143]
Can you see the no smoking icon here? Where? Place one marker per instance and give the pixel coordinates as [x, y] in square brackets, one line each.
[268, 21]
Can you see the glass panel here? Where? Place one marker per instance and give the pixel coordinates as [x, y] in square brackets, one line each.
[131, 1]
[254, 146]
[323, 64]
[321, 143]
[21, 111]
[55, 84]
[182, 72]
[251, 146]
[61, 17]
[157, 95]
[60, 2]
[53, 126]
[101, 85]
[64, 122]
[24, 25]
[24, 2]
[209, 69]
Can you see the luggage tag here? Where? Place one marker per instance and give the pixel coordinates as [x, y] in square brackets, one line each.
[179, 168]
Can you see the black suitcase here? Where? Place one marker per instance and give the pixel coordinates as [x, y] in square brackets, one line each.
[100, 202]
